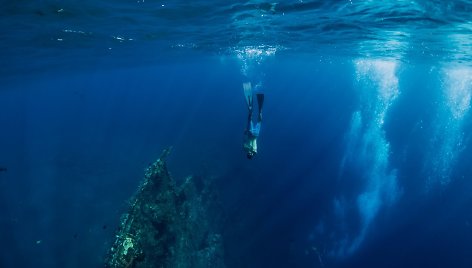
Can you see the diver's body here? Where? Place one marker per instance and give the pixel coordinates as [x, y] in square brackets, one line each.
[252, 128]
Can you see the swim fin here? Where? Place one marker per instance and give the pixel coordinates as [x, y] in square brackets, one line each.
[260, 101]
[248, 93]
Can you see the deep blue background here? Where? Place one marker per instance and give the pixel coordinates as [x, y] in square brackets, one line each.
[76, 145]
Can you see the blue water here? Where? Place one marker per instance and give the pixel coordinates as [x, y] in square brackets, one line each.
[364, 151]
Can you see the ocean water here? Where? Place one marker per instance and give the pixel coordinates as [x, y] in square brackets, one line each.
[365, 146]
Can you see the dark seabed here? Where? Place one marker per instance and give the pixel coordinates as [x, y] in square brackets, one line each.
[365, 145]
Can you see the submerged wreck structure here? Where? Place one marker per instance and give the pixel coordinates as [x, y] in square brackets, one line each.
[168, 225]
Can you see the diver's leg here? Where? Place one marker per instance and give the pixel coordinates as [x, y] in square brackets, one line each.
[249, 119]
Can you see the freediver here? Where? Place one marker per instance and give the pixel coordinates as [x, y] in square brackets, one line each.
[252, 129]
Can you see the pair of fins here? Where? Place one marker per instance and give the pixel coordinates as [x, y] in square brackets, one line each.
[249, 96]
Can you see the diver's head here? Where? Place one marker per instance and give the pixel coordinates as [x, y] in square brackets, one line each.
[250, 154]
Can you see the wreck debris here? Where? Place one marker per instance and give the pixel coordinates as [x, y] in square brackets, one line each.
[167, 225]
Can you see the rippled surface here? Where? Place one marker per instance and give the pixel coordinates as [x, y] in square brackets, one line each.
[35, 32]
